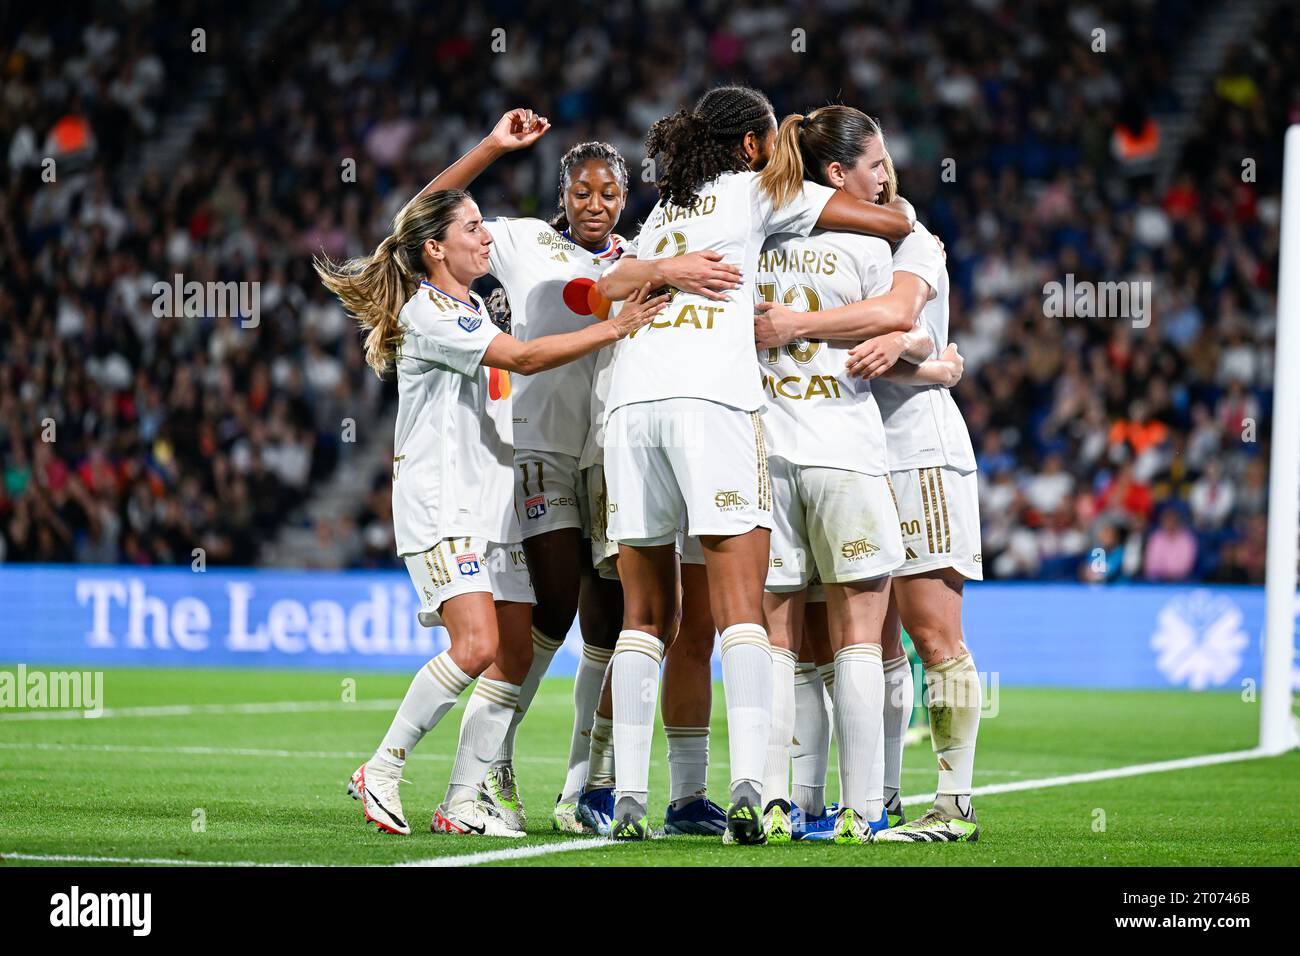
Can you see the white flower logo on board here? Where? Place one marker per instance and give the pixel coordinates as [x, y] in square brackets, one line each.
[1199, 640]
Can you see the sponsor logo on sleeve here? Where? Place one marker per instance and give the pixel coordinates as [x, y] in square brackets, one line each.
[535, 506]
[468, 564]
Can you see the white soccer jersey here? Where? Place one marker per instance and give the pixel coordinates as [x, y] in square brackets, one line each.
[698, 347]
[923, 427]
[817, 414]
[551, 284]
[453, 461]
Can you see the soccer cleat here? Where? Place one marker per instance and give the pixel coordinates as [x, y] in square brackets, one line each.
[630, 827]
[803, 826]
[894, 810]
[596, 810]
[565, 818]
[380, 801]
[850, 831]
[935, 826]
[776, 824]
[472, 818]
[744, 819]
[880, 825]
[700, 817]
[500, 791]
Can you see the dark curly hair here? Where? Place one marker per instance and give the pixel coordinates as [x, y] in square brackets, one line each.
[695, 147]
[580, 154]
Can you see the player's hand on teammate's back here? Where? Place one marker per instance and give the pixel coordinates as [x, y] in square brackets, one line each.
[638, 309]
[773, 325]
[953, 359]
[702, 273]
[519, 128]
[877, 355]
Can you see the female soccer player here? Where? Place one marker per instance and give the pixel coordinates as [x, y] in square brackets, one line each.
[833, 512]
[453, 502]
[549, 271]
[933, 477]
[684, 440]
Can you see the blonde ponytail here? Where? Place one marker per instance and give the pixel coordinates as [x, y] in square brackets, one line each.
[374, 288]
[782, 178]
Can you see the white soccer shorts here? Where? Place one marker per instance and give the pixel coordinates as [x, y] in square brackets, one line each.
[830, 524]
[685, 464]
[456, 566]
[549, 492]
[939, 516]
[604, 551]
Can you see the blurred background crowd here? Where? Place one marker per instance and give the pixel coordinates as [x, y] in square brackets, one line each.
[1108, 449]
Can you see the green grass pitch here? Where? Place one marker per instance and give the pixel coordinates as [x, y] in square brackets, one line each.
[269, 786]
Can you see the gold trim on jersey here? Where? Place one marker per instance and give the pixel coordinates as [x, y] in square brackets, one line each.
[764, 474]
[943, 504]
[925, 501]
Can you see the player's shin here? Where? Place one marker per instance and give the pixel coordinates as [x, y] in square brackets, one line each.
[747, 681]
[859, 712]
[544, 649]
[487, 718]
[586, 695]
[810, 748]
[899, 694]
[434, 690]
[635, 681]
[954, 702]
[776, 771]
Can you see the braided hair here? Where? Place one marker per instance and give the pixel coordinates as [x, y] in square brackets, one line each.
[698, 146]
[580, 154]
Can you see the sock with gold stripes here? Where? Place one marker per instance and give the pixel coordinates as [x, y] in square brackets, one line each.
[899, 692]
[688, 764]
[955, 698]
[586, 694]
[635, 679]
[776, 771]
[434, 690]
[544, 649]
[859, 713]
[747, 681]
[487, 719]
[810, 749]
[600, 771]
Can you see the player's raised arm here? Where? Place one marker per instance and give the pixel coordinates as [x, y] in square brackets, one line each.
[549, 351]
[878, 355]
[702, 273]
[517, 129]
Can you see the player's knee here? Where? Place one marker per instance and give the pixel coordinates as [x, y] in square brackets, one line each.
[475, 650]
[554, 618]
[935, 640]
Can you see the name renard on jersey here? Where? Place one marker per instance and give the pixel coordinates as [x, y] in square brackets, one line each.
[664, 214]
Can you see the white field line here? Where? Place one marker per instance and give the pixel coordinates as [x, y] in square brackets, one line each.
[545, 849]
[191, 710]
[201, 751]
[1114, 773]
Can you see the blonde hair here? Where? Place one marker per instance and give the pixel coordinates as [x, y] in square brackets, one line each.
[806, 145]
[374, 288]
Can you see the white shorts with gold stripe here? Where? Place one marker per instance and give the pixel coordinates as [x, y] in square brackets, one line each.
[939, 515]
[456, 566]
[604, 550]
[685, 463]
[830, 524]
[549, 492]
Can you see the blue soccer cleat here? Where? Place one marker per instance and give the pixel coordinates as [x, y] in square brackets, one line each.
[700, 817]
[805, 827]
[596, 809]
[881, 824]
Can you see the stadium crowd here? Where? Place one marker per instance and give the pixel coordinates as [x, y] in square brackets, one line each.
[1119, 447]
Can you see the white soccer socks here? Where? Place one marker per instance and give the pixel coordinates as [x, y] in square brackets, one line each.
[487, 720]
[776, 770]
[688, 763]
[635, 679]
[810, 749]
[899, 692]
[434, 690]
[859, 716]
[544, 649]
[586, 695]
[955, 699]
[747, 680]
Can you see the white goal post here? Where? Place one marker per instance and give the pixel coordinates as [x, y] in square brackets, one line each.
[1277, 726]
